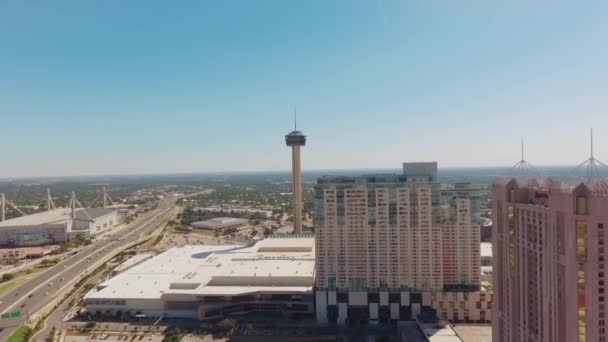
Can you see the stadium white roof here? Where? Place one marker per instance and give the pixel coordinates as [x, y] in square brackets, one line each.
[275, 264]
[56, 216]
[47, 217]
[93, 213]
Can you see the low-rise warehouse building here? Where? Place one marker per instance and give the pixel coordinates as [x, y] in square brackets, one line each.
[94, 221]
[19, 253]
[220, 223]
[227, 210]
[274, 275]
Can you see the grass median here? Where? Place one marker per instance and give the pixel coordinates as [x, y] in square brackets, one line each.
[4, 288]
[23, 334]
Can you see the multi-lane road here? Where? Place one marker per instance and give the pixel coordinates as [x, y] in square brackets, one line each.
[36, 292]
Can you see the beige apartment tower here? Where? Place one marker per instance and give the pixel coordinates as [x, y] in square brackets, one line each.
[386, 253]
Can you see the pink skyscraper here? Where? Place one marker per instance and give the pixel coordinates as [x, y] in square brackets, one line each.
[549, 260]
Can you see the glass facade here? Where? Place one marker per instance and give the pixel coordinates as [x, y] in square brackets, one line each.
[512, 247]
[582, 307]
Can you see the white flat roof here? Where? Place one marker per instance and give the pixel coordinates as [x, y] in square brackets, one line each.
[274, 264]
[485, 249]
[133, 261]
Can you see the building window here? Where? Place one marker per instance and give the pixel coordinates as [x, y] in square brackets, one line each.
[581, 240]
[581, 205]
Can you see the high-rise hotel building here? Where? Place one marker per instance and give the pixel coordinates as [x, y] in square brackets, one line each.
[386, 252]
[550, 267]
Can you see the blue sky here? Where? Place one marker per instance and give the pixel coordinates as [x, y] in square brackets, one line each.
[113, 87]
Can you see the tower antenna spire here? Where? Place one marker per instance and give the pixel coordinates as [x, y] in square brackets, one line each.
[522, 148]
[295, 119]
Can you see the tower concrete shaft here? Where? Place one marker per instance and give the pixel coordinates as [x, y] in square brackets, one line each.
[2, 208]
[296, 177]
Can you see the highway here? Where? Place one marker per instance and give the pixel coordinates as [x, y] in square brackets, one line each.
[40, 289]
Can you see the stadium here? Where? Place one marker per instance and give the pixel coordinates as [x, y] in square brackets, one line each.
[56, 226]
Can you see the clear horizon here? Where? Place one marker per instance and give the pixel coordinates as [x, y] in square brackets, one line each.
[541, 168]
[140, 87]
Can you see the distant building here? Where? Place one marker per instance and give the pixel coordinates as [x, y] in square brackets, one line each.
[385, 251]
[275, 275]
[228, 210]
[486, 254]
[486, 230]
[462, 190]
[421, 171]
[220, 223]
[19, 253]
[550, 260]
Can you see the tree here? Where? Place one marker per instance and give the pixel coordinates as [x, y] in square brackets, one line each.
[227, 326]
[173, 335]
[51, 337]
[8, 276]
[90, 325]
[230, 231]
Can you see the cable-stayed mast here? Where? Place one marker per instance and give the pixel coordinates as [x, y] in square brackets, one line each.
[105, 197]
[592, 165]
[50, 205]
[3, 203]
[73, 203]
[523, 167]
